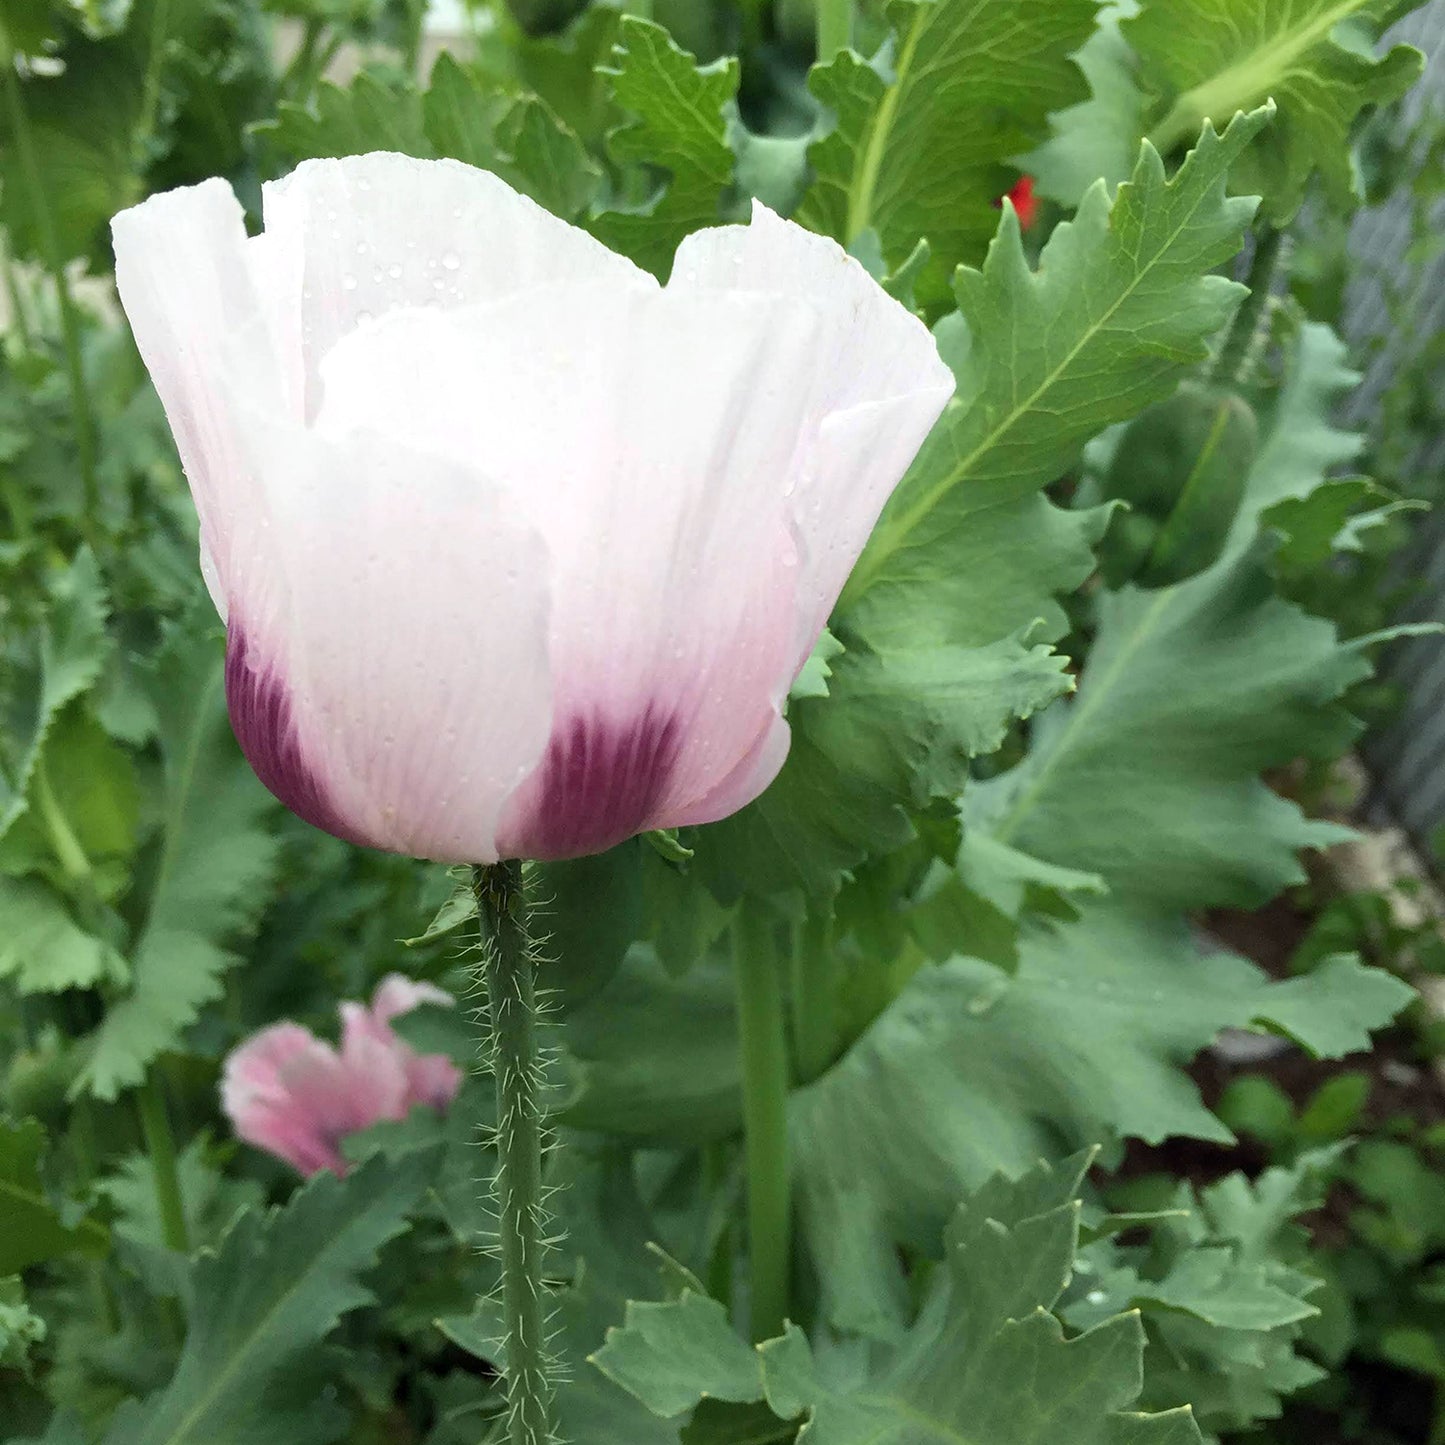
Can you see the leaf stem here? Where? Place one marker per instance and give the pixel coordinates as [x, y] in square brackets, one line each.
[82, 419]
[151, 86]
[835, 28]
[508, 966]
[765, 1120]
[812, 996]
[19, 318]
[161, 1146]
[1268, 247]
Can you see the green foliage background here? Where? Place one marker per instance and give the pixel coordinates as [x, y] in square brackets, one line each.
[1014, 790]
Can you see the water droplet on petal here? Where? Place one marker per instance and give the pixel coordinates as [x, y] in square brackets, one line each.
[451, 260]
[348, 282]
[394, 271]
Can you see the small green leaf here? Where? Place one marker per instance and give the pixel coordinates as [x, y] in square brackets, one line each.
[68, 656]
[43, 949]
[31, 1230]
[212, 870]
[1332, 1010]
[516, 136]
[679, 126]
[670, 1355]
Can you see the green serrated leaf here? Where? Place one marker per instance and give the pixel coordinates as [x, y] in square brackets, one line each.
[1123, 303]
[31, 1229]
[987, 896]
[1098, 138]
[43, 949]
[1332, 1010]
[211, 872]
[969, 1071]
[69, 654]
[516, 136]
[984, 1361]
[671, 1355]
[679, 126]
[1189, 692]
[1209, 60]
[277, 1286]
[911, 155]
[372, 113]
[897, 728]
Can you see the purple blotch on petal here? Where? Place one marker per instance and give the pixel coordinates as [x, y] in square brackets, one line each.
[260, 707]
[601, 782]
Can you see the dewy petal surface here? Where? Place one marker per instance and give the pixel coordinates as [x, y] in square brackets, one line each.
[883, 385]
[414, 656]
[357, 238]
[184, 275]
[650, 438]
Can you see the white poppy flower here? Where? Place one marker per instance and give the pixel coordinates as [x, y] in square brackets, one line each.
[519, 551]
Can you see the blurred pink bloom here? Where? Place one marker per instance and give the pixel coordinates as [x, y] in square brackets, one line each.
[519, 551]
[289, 1093]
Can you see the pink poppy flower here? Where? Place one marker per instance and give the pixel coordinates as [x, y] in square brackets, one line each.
[519, 551]
[287, 1092]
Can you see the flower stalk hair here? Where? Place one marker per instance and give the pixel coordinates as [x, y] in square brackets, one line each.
[508, 974]
[519, 551]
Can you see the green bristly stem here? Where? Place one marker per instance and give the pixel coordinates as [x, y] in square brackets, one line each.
[509, 965]
[161, 1146]
[1268, 247]
[835, 28]
[81, 417]
[765, 1121]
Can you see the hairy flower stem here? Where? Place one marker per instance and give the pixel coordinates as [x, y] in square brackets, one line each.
[509, 965]
[765, 1121]
[1239, 343]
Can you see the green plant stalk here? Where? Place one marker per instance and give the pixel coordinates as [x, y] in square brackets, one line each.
[814, 998]
[509, 966]
[161, 1146]
[298, 68]
[82, 1143]
[151, 85]
[835, 28]
[18, 314]
[1268, 245]
[80, 413]
[765, 1122]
